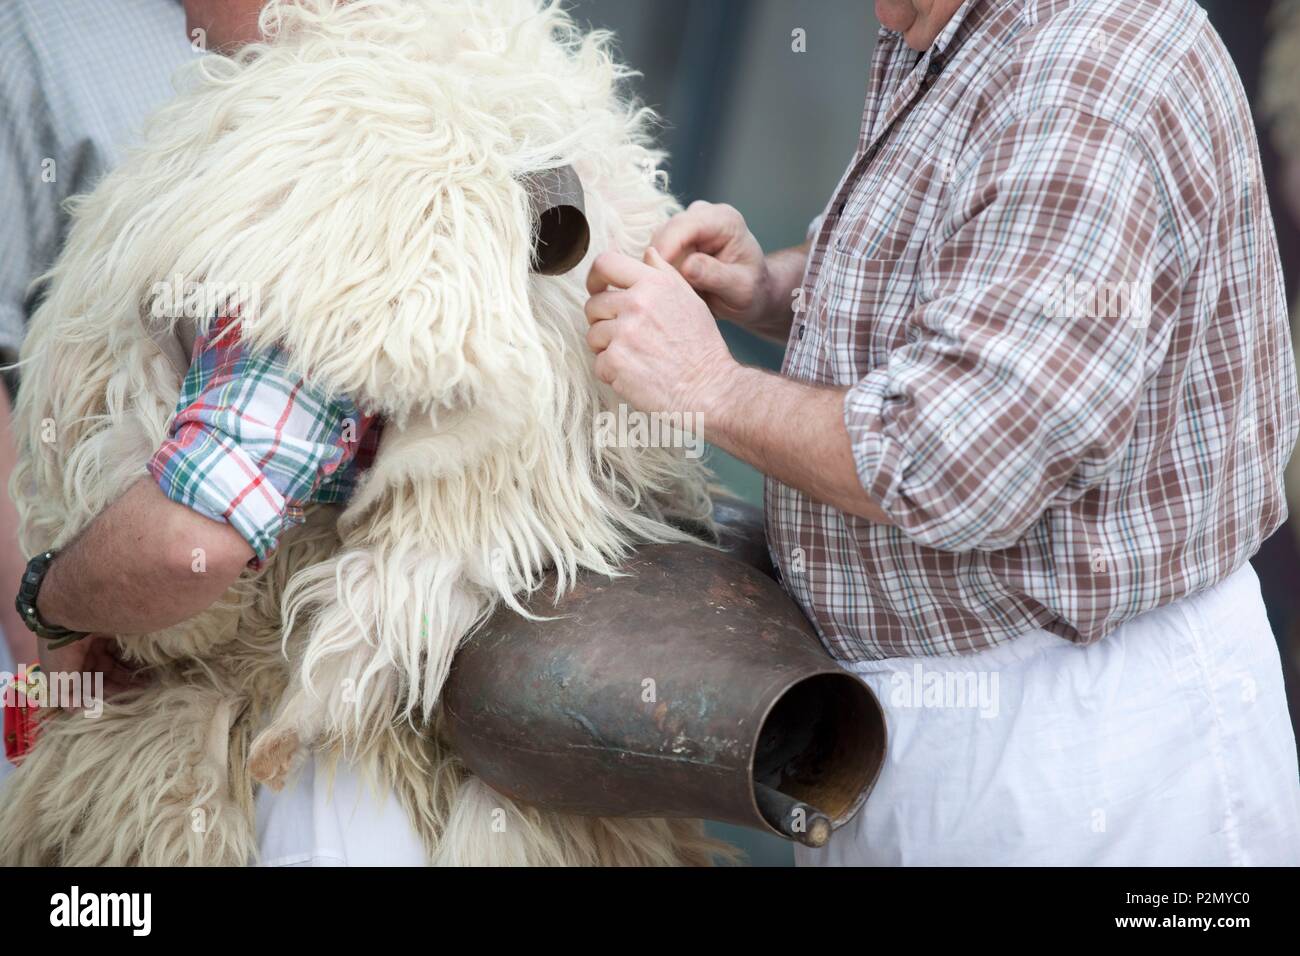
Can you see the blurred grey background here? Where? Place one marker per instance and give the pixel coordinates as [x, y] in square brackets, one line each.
[747, 120]
[750, 122]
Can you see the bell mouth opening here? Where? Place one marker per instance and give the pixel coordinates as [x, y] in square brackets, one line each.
[820, 749]
[561, 241]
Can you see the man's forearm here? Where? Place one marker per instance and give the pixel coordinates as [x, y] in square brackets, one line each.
[791, 431]
[785, 270]
[143, 564]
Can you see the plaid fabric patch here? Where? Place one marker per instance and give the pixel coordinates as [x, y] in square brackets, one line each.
[1049, 282]
[253, 445]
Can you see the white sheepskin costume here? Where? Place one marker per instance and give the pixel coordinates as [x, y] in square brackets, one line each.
[363, 172]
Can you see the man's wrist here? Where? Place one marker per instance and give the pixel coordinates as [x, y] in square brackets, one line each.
[46, 603]
[782, 272]
[778, 301]
[39, 612]
[731, 396]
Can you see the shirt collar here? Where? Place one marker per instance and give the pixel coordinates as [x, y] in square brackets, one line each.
[945, 38]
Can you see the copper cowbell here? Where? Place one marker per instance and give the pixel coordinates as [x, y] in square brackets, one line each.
[692, 686]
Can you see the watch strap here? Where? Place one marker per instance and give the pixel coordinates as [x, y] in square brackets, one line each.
[28, 591]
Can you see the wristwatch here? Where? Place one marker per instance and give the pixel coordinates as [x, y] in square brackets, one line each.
[26, 604]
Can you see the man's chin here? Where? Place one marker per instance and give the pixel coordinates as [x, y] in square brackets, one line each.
[895, 15]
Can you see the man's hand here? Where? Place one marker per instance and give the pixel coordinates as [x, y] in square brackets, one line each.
[654, 339]
[717, 254]
[94, 654]
[657, 345]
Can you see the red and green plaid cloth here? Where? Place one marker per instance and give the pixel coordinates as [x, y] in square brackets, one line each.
[252, 444]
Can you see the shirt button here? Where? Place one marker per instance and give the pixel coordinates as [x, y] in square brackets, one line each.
[913, 335]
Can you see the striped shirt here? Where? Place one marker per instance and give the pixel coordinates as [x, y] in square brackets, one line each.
[77, 79]
[1050, 283]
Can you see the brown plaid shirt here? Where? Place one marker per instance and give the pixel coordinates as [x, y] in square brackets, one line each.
[1050, 282]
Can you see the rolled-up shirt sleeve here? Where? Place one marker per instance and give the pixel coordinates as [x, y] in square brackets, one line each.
[251, 443]
[1029, 345]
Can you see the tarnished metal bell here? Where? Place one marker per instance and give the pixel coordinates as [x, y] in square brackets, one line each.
[692, 686]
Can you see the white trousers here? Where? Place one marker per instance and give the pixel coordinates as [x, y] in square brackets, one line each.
[1166, 743]
[319, 821]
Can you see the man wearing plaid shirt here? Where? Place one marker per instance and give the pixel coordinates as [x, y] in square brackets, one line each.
[250, 447]
[1037, 400]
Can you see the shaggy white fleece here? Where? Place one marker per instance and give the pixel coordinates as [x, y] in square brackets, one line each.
[361, 172]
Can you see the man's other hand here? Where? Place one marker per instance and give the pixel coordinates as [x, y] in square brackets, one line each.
[95, 654]
[715, 252]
